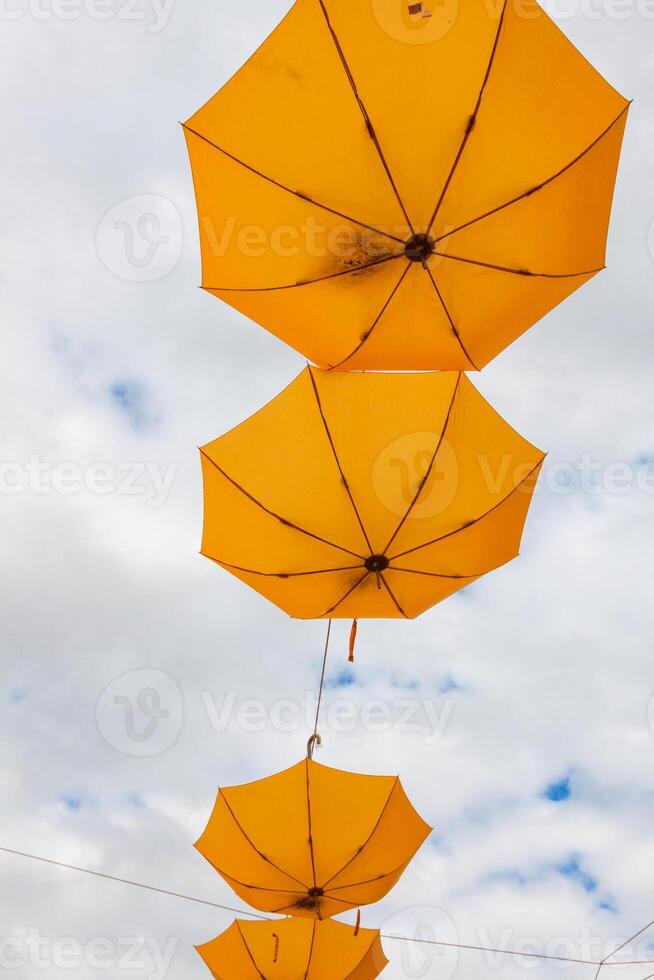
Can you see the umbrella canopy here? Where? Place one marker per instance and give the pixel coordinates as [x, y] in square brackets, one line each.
[313, 841]
[295, 949]
[367, 495]
[392, 190]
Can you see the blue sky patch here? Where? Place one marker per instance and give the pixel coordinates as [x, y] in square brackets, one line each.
[405, 683]
[345, 678]
[135, 799]
[130, 397]
[72, 801]
[449, 685]
[511, 875]
[573, 870]
[560, 791]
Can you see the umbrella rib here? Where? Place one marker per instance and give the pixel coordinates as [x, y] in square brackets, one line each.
[254, 571]
[249, 951]
[539, 187]
[347, 594]
[311, 851]
[312, 949]
[368, 334]
[368, 881]
[255, 888]
[519, 272]
[415, 571]
[449, 316]
[282, 520]
[392, 595]
[306, 282]
[464, 527]
[425, 479]
[370, 835]
[341, 901]
[338, 462]
[289, 190]
[256, 849]
[471, 121]
[366, 117]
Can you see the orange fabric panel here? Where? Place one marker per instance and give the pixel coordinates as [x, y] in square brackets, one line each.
[306, 841]
[345, 470]
[355, 127]
[306, 951]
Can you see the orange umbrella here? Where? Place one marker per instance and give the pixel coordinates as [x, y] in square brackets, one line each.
[295, 949]
[387, 190]
[367, 495]
[313, 841]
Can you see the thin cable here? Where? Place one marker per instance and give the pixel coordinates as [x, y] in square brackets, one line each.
[403, 939]
[637, 935]
[488, 949]
[126, 881]
[322, 678]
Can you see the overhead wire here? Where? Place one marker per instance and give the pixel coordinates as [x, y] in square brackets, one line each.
[390, 937]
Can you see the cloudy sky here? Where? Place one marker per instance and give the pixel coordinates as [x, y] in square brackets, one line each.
[529, 741]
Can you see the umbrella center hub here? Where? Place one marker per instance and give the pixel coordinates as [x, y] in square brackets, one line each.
[377, 563]
[316, 892]
[419, 248]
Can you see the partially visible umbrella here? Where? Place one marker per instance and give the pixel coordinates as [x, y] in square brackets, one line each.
[384, 190]
[313, 841]
[295, 949]
[367, 495]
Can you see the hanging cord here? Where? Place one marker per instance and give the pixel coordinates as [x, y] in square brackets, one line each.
[315, 738]
[353, 639]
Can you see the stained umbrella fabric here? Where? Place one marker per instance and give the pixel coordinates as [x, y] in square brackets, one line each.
[367, 495]
[313, 841]
[392, 190]
[295, 949]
